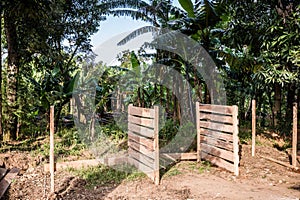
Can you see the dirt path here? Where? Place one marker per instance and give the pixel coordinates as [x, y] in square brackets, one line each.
[204, 186]
[259, 179]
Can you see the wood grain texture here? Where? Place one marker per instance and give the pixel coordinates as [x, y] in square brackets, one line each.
[217, 143]
[216, 126]
[143, 131]
[141, 112]
[227, 155]
[7, 179]
[220, 109]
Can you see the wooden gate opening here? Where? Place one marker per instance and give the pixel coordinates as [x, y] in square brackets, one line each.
[217, 138]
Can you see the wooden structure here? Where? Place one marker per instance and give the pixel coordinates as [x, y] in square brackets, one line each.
[217, 135]
[143, 149]
[217, 141]
[6, 179]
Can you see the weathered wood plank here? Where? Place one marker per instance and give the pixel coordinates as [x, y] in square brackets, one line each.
[227, 155]
[143, 131]
[216, 126]
[148, 143]
[136, 146]
[141, 121]
[221, 109]
[218, 161]
[294, 141]
[236, 158]
[156, 177]
[216, 117]
[3, 171]
[142, 167]
[142, 112]
[6, 181]
[215, 134]
[253, 127]
[180, 156]
[218, 143]
[141, 157]
[73, 164]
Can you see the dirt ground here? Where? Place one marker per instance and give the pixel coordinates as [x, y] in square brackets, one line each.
[259, 179]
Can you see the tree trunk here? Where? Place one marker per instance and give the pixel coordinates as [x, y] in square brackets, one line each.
[12, 74]
[277, 103]
[1, 134]
[291, 92]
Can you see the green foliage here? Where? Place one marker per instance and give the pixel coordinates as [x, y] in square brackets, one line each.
[67, 143]
[188, 6]
[113, 131]
[174, 171]
[245, 134]
[168, 132]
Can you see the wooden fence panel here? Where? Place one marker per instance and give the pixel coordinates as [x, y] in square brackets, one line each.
[143, 151]
[217, 133]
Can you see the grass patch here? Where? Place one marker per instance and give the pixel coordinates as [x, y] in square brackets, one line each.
[200, 167]
[172, 172]
[103, 175]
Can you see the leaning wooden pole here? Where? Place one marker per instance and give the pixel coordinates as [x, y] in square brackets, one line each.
[52, 164]
[253, 126]
[294, 141]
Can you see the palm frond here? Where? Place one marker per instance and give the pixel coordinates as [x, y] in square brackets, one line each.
[138, 32]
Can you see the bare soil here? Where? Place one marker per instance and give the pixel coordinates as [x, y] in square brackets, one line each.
[259, 179]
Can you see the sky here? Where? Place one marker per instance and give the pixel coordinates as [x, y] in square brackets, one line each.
[114, 29]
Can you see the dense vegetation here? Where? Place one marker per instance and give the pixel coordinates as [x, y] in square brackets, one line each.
[255, 45]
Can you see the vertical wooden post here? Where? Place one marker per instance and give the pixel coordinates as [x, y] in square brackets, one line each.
[294, 142]
[156, 145]
[253, 126]
[235, 140]
[52, 164]
[198, 131]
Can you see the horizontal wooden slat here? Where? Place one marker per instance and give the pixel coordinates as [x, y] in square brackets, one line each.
[6, 181]
[221, 109]
[112, 161]
[216, 142]
[2, 172]
[77, 164]
[143, 168]
[216, 117]
[142, 112]
[218, 161]
[148, 143]
[216, 134]
[143, 131]
[141, 121]
[217, 126]
[136, 146]
[141, 157]
[227, 155]
[180, 156]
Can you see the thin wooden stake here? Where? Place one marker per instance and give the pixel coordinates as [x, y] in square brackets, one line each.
[253, 126]
[198, 131]
[156, 146]
[294, 142]
[52, 164]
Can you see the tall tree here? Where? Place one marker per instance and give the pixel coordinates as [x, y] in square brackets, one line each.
[56, 31]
